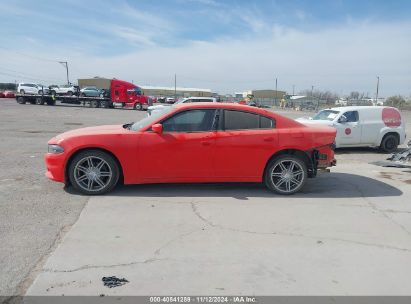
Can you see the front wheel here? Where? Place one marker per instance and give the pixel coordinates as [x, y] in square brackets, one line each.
[138, 107]
[389, 143]
[94, 172]
[286, 174]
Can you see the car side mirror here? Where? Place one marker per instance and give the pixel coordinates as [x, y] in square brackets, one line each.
[342, 119]
[157, 128]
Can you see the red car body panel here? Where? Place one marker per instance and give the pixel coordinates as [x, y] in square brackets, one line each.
[214, 156]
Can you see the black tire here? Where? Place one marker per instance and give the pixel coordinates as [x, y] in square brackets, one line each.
[138, 106]
[53, 93]
[21, 100]
[104, 104]
[22, 92]
[109, 183]
[70, 93]
[82, 95]
[273, 174]
[389, 143]
[51, 102]
[40, 92]
[39, 101]
[94, 104]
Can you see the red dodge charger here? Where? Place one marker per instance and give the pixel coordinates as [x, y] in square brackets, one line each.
[193, 143]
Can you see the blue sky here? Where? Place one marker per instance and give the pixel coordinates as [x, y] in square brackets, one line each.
[223, 45]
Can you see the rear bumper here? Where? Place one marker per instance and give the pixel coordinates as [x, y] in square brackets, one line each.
[55, 167]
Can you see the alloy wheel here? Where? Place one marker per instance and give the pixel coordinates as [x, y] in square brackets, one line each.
[92, 173]
[287, 175]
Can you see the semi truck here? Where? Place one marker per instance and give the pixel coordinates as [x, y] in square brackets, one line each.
[121, 94]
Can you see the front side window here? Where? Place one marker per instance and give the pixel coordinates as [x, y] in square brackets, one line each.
[199, 120]
[351, 116]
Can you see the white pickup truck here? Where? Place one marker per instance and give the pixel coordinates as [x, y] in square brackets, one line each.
[63, 90]
[363, 126]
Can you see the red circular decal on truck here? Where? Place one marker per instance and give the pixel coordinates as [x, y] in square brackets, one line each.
[391, 117]
[347, 131]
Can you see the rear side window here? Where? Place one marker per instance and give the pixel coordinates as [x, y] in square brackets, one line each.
[238, 120]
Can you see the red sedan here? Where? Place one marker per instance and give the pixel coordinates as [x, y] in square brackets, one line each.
[9, 94]
[203, 142]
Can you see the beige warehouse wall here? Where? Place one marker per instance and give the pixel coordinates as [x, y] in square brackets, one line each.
[160, 92]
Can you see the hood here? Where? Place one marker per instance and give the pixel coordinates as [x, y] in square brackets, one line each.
[158, 107]
[100, 130]
[311, 122]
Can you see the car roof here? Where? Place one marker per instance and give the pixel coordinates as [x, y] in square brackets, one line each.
[230, 106]
[356, 108]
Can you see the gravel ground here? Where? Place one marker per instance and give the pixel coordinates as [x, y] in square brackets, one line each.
[34, 212]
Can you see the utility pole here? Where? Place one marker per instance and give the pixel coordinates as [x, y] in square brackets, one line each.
[376, 95]
[312, 89]
[65, 63]
[276, 91]
[175, 87]
[293, 88]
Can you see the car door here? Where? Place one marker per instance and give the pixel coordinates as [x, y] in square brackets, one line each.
[244, 143]
[183, 151]
[349, 129]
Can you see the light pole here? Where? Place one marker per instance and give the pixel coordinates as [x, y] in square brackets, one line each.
[312, 89]
[376, 95]
[293, 88]
[175, 87]
[276, 96]
[65, 63]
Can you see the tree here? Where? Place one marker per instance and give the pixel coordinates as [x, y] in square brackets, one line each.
[395, 101]
[354, 95]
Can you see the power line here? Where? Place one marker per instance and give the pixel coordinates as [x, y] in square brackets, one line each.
[29, 56]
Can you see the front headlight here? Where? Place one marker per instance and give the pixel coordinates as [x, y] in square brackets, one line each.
[55, 149]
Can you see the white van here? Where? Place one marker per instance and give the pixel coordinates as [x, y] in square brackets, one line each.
[363, 126]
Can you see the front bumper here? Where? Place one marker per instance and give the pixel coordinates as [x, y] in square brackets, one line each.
[55, 167]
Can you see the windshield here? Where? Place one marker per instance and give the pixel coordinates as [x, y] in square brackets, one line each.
[137, 126]
[326, 115]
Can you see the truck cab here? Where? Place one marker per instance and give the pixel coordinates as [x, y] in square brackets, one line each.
[128, 95]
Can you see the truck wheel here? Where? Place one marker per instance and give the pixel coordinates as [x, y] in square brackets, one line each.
[39, 101]
[22, 92]
[285, 174]
[82, 95]
[21, 100]
[40, 92]
[53, 93]
[389, 143]
[104, 104]
[93, 172]
[94, 104]
[51, 102]
[70, 93]
[138, 107]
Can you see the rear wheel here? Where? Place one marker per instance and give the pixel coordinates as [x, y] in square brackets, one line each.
[22, 92]
[82, 95]
[53, 93]
[70, 93]
[285, 174]
[21, 100]
[94, 172]
[94, 104]
[389, 143]
[39, 101]
[104, 104]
